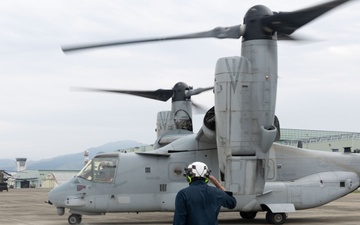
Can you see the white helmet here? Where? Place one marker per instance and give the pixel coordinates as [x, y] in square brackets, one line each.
[197, 169]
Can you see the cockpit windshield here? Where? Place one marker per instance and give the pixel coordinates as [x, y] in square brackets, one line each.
[86, 172]
[100, 169]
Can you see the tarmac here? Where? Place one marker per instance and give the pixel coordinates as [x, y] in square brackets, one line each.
[28, 207]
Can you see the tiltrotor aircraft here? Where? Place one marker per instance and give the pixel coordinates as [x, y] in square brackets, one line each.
[236, 141]
[170, 125]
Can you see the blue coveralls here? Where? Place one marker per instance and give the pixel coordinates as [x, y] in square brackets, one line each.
[199, 204]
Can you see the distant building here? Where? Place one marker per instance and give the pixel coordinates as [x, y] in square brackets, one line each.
[335, 141]
[42, 178]
[144, 148]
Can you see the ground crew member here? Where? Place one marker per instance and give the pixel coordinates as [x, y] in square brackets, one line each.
[199, 204]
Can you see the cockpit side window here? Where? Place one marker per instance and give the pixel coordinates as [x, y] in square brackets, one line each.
[99, 170]
[104, 169]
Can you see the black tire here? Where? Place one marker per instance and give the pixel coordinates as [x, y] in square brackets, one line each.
[275, 218]
[248, 215]
[267, 217]
[74, 219]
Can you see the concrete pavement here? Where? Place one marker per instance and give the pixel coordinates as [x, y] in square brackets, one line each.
[28, 207]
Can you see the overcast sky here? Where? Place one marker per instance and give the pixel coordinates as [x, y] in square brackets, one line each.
[318, 88]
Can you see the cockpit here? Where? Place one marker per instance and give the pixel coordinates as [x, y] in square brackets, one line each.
[100, 169]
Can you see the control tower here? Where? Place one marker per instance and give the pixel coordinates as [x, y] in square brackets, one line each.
[20, 164]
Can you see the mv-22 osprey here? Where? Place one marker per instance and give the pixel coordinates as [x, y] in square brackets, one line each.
[236, 141]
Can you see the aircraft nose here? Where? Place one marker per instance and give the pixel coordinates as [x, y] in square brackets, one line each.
[53, 197]
[57, 195]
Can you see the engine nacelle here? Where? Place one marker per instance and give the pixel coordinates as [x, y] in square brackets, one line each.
[244, 115]
[245, 93]
[209, 124]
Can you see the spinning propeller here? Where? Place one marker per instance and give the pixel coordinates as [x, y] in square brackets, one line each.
[259, 22]
[180, 92]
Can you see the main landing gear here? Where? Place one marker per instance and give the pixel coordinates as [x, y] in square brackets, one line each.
[74, 219]
[275, 218]
[248, 215]
[271, 218]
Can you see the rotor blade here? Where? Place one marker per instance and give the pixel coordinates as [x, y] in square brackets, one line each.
[160, 94]
[199, 109]
[286, 37]
[219, 32]
[288, 22]
[196, 91]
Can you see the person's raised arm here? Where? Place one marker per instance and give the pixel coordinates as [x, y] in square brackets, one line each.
[216, 183]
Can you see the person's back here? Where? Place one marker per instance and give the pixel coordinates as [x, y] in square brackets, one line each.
[199, 204]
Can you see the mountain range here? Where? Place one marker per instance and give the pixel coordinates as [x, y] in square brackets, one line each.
[70, 161]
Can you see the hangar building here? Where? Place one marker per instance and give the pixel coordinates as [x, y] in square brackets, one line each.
[335, 141]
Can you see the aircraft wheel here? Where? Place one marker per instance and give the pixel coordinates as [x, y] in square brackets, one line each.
[74, 219]
[275, 218]
[248, 215]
